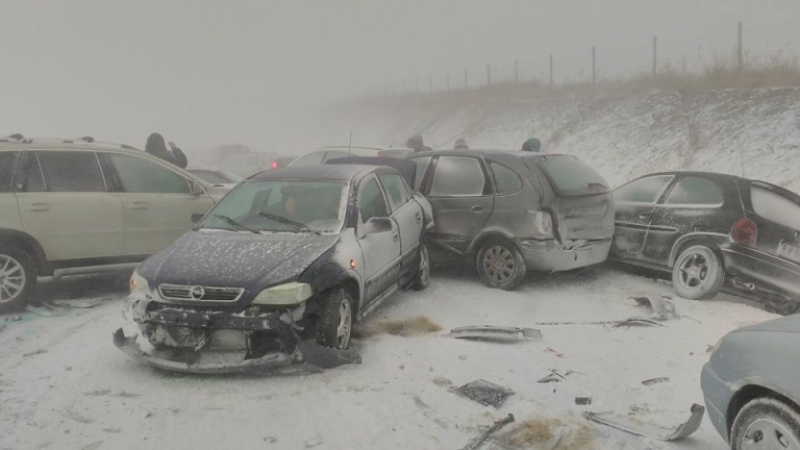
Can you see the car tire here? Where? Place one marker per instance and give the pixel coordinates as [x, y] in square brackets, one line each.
[17, 277]
[500, 264]
[765, 423]
[334, 324]
[423, 274]
[698, 273]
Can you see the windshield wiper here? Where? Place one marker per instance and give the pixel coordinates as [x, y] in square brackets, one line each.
[285, 221]
[236, 224]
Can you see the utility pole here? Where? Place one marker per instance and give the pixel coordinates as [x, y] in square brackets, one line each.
[594, 65]
[488, 75]
[516, 71]
[551, 70]
[740, 51]
[655, 56]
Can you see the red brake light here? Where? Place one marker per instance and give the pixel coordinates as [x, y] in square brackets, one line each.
[744, 232]
[274, 164]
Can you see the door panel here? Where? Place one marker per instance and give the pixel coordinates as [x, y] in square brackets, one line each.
[158, 205]
[462, 200]
[407, 214]
[381, 250]
[635, 207]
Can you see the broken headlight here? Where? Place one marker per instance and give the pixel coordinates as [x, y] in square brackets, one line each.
[284, 294]
[139, 284]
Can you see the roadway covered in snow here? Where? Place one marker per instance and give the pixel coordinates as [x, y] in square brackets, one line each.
[64, 385]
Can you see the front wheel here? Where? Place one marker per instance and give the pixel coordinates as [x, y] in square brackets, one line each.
[423, 273]
[698, 273]
[334, 324]
[766, 423]
[500, 264]
[17, 277]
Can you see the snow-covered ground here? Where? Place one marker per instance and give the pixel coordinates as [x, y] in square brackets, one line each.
[63, 385]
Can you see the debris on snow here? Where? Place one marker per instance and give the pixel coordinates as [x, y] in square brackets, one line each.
[637, 321]
[555, 376]
[84, 303]
[480, 439]
[315, 441]
[661, 307]
[441, 381]
[583, 400]
[316, 355]
[115, 430]
[652, 381]
[485, 392]
[553, 352]
[14, 318]
[492, 333]
[414, 326]
[649, 430]
[34, 353]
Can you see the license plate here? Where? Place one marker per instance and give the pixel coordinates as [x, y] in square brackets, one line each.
[789, 252]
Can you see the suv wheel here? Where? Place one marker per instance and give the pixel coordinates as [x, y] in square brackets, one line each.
[766, 423]
[334, 324]
[17, 277]
[423, 274]
[500, 264]
[698, 273]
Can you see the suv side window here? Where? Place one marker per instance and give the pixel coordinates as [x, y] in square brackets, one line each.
[422, 164]
[458, 176]
[68, 171]
[29, 176]
[395, 189]
[643, 190]
[695, 191]
[371, 204]
[8, 162]
[506, 180]
[142, 176]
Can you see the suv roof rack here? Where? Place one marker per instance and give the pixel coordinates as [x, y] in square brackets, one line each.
[17, 137]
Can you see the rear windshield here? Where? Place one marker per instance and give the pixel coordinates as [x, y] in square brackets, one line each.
[570, 177]
[775, 207]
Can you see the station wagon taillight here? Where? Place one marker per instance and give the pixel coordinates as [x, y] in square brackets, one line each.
[543, 223]
[744, 232]
[274, 164]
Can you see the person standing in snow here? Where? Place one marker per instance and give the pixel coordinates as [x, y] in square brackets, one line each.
[157, 146]
[532, 145]
[415, 143]
[461, 144]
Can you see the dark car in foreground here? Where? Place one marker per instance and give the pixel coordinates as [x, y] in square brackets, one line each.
[706, 228]
[515, 212]
[751, 387]
[289, 255]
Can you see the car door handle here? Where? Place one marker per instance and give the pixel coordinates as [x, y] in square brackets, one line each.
[39, 207]
[418, 216]
[477, 208]
[138, 205]
[644, 216]
[395, 237]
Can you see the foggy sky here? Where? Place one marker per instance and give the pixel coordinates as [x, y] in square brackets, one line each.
[205, 72]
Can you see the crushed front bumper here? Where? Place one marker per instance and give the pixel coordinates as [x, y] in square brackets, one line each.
[550, 256]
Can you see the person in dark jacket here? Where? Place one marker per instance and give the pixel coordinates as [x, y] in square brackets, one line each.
[532, 145]
[415, 143]
[461, 144]
[157, 146]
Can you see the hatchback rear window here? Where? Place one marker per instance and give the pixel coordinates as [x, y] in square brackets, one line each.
[572, 177]
[775, 207]
[8, 162]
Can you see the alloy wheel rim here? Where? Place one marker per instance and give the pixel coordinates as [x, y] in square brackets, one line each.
[694, 271]
[12, 278]
[424, 264]
[499, 264]
[345, 321]
[768, 434]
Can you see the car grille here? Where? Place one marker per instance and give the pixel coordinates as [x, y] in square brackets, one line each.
[199, 293]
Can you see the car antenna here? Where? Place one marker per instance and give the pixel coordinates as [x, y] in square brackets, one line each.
[349, 145]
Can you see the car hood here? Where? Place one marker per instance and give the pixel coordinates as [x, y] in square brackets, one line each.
[790, 324]
[235, 259]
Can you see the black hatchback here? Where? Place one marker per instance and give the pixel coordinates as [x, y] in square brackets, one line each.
[706, 228]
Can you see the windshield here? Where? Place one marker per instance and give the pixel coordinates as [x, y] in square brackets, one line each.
[281, 205]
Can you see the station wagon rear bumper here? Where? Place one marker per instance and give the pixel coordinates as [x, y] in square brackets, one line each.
[550, 256]
[768, 272]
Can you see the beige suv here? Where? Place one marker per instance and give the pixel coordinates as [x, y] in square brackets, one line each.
[77, 207]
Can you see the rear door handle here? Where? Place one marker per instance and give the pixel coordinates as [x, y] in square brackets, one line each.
[395, 237]
[138, 205]
[39, 207]
[418, 216]
[477, 208]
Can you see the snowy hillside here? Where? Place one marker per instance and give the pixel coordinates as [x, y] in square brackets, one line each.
[751, 132]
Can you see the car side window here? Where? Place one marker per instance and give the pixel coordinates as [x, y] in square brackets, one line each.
[422, 165]
[67, 171]
[775, 207]
[138, 175]
[30, 177]
[393, 184]
[693, 190]
[643, 190]
[371, 203]
[458, 176]
[8, 162]
[506, 180]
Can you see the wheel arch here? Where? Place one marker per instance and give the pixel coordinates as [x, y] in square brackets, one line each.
[30, 245]
[491, 233]
[751, 392]
[713, 241]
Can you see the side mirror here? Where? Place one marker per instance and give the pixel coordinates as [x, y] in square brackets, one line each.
[378, 225]
[197, 217]
[197, 188]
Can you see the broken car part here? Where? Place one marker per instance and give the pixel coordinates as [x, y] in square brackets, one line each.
[478, 441]
[555, 377]
[652, 381]
[485, 392]
[583, 400]
[649, 430]
[661, 307]
[495, 333]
